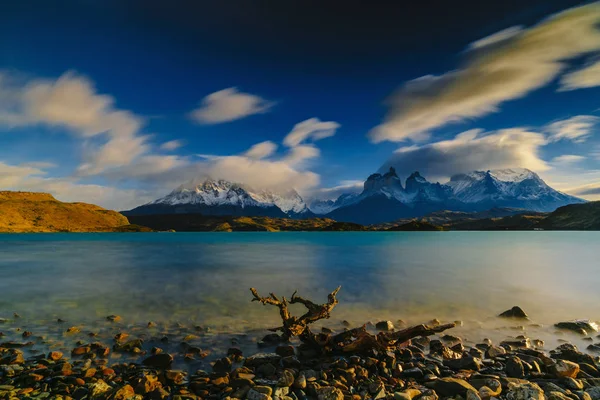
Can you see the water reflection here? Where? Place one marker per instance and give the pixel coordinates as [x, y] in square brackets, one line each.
[205, 278]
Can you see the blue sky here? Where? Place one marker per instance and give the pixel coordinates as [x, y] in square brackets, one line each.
[117, 103]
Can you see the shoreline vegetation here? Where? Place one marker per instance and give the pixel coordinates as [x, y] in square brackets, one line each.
[117, 360]
[25, 212]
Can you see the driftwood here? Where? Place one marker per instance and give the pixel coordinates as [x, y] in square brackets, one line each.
[357, 340]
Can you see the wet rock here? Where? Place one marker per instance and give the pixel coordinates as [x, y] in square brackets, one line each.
[495, 351]
[285, 350]
[515, 312]
[254, 394]
[468, 362]
[514, 367]
[451, 387]
[524, 391]
[160, 361]
[222, 365]
[593, 392]
[113, 318]
[329, 393]
[262, 358]
[124, 393]
[98, 388]
[581, 326]
[564, 368]
[384, 326]
[414, 373]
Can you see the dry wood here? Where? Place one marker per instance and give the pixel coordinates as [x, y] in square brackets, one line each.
[356, 340]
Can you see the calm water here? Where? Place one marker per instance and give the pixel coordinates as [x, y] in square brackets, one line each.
[203, 278]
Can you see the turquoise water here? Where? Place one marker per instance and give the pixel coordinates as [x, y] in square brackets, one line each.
[203, 278]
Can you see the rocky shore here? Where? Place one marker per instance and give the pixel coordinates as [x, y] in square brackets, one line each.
[120, 362]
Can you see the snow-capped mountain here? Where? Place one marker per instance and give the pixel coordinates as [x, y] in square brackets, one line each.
[385, 199]
[221, 197]
[321, 207]
[517, 187]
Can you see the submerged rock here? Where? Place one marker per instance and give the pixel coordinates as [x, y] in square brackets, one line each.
[515, 312]
[581, 326]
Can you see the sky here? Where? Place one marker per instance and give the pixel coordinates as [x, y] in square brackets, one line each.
[117, 103]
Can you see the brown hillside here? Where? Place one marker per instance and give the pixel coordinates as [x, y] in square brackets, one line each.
[40, 212]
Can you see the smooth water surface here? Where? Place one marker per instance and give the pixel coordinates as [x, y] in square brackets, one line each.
[203, 278]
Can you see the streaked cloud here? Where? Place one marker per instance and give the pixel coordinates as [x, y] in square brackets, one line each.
[171, 145]
[586, 77]
[261, 150]
[567, 159]
[576, 129]
[260, 166]
[229, 105]
[311, 129]
[28, 178]
[501, 70]
[471, 150]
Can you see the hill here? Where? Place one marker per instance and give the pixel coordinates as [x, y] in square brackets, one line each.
[416, 225]
[209, 223]
[40, 212]
[574, 217]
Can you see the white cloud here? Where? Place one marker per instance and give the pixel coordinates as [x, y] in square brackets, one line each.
[27, 178]
[471, 150]
[332, 193]
[263, 174]
[228, 105]
[577, 129]
[496, 38]
[527, 60]
[567, 159]
[171, 145]
[261, 150]
[260, 168]
[311, 129]
[112, 137]
[586, 77]
[298, 154]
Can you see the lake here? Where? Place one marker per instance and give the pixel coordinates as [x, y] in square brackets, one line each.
[203, 278]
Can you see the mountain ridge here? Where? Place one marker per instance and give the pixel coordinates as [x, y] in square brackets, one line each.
[384, 198]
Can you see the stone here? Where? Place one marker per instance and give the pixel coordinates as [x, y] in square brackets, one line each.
[581, 326]
[160, 361]
[222, 365]
[384, 326]
[564, 369]
[287, 379]
[262, 358]
[468, 362]
[451, 387]
[495, 351]
[473, 395]
[329, 393]
[515, 312]
[300, 382]
[524, 391]
[593, 392]
[285, 350]
[124, 393]
[514, 367]
[55, 355]
[254, 394]
[99, 387]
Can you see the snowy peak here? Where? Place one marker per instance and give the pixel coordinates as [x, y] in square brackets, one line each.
[388, 183]
[230, 197]
[515, 187]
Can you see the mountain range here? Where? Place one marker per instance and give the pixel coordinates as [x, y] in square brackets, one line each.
[384, 198]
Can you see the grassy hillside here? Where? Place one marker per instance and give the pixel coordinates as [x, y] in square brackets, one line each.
[40, 212]
[416, 225]
[574, 217]
[201, 223]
